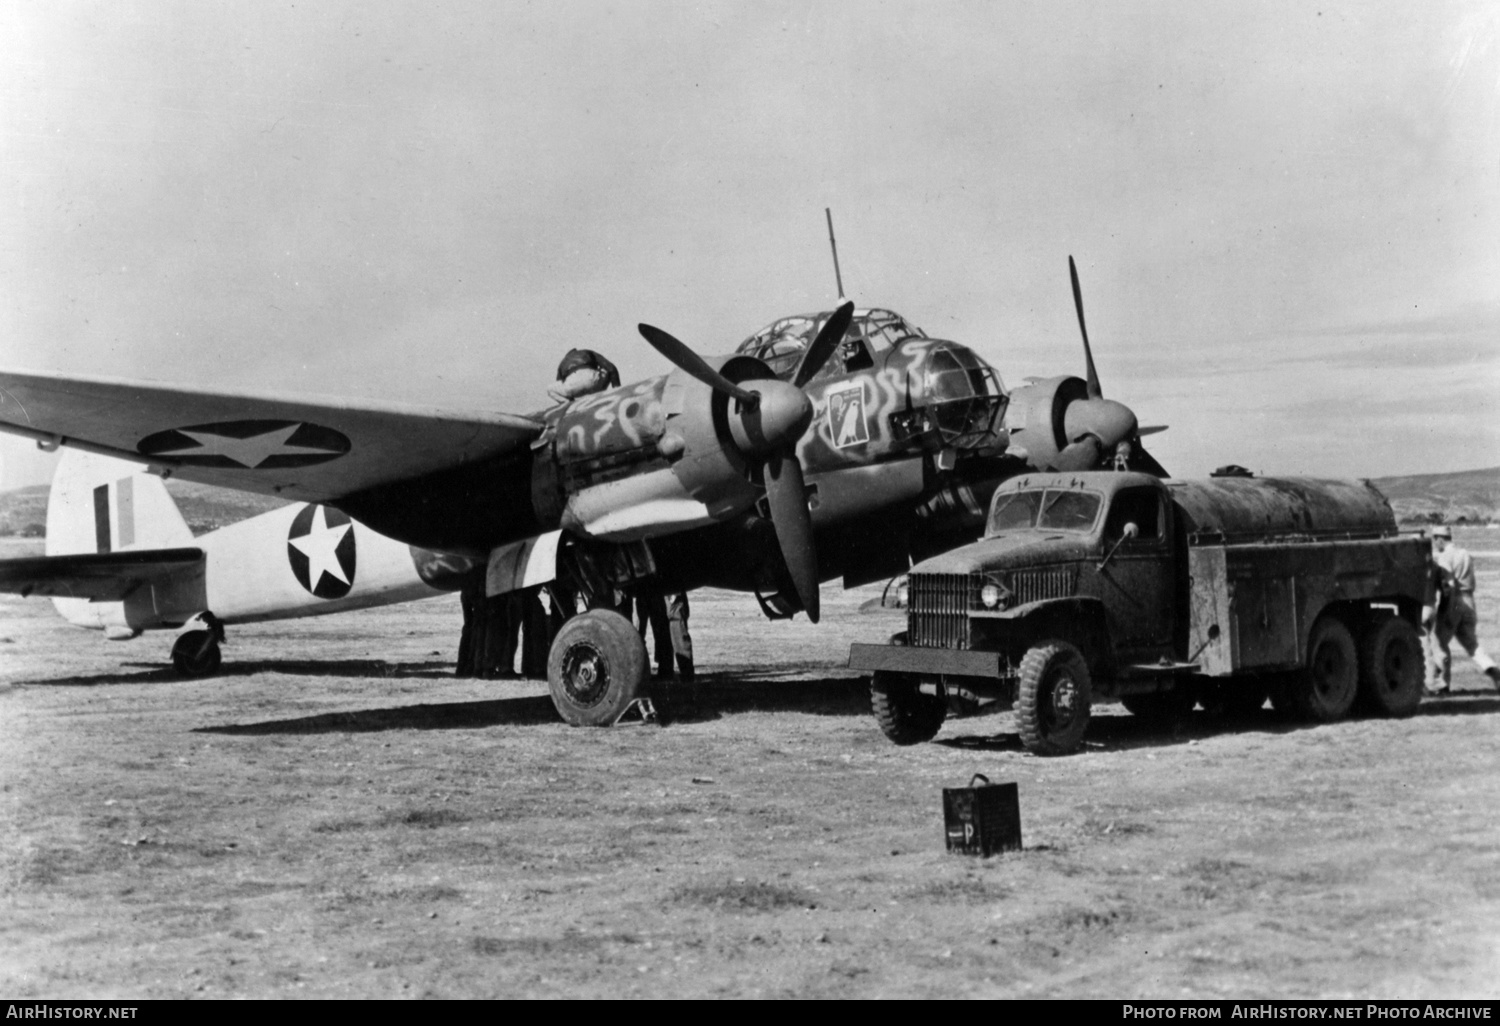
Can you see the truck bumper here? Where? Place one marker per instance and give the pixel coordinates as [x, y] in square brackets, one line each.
[899, 659]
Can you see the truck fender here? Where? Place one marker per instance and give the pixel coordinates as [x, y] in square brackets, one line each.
[1078, 619]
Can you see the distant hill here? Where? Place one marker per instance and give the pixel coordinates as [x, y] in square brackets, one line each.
[1468, 495]
[23, 511]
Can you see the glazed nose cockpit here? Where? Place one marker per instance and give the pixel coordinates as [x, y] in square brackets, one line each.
[952, 398]
[962, 399]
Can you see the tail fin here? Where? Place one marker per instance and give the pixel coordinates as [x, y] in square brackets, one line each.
[101, 504]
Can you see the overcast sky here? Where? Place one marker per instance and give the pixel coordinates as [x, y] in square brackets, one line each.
[1286, 216]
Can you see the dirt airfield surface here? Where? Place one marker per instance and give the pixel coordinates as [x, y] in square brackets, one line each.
[337, 816]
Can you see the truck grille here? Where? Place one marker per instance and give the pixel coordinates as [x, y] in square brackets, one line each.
[1035, 585]
[938, 615]
[940, 603]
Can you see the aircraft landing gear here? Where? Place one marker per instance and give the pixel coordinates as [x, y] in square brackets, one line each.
[596, 668]
[196, 653]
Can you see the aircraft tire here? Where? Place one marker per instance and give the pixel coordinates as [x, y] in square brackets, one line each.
[196, 654]
[905, 715]
[1390, 667]
[1325, 690]
[596, 668]
[1053, 698]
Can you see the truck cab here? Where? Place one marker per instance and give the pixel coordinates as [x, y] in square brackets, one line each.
[1158, 593]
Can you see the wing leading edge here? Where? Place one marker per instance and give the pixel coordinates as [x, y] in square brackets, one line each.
[309, 448]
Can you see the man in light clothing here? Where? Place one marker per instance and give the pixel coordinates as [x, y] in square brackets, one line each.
[1455, 615]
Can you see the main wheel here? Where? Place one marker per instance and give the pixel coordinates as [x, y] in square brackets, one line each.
[596, 668]
[1390, 667]
[1052, 701]
[196, 654]
[1325, 690]
[907, 716]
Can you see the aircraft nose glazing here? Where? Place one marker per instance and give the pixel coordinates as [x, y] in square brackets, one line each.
[780, 418]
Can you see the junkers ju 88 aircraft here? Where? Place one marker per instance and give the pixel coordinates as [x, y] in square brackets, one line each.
[836, 444]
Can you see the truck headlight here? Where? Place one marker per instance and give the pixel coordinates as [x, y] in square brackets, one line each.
[991, 595]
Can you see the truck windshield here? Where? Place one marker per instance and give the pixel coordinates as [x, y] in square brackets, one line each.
[1052, 510]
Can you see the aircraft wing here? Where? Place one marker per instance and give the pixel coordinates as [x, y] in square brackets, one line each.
[309, 448]
[101, 576]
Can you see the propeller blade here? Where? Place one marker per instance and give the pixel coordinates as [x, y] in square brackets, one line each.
[787, 497]
[1088, 355]
[691, 363]
[823, 346]
[1143, 461]
[1151, 429]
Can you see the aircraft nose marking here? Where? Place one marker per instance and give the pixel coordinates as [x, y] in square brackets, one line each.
[846, 416]
[248, 444]
[320, 547]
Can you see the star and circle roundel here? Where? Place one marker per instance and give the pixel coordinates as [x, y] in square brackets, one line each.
[320, 547]
[248, 444]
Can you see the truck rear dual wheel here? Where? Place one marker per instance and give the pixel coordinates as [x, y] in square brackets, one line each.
[596, 668]
[905, 714]
[1326, 689]
[1390, 667]
[1053, 698]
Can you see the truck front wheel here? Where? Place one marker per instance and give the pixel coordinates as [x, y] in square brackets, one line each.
[1052, 699]
[906, 716]
[1325, 690]
[1390, 667]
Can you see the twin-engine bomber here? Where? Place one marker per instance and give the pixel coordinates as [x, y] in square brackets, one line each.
[1161, 594]
[839, 444]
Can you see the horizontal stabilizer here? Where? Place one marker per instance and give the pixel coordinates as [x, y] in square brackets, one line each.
[100, 576]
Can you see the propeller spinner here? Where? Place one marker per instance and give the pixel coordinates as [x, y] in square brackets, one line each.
[768, 419]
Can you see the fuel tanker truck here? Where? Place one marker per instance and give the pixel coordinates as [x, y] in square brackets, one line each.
[1160, 594]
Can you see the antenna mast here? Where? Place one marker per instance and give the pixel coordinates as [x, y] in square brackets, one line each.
[828, 213]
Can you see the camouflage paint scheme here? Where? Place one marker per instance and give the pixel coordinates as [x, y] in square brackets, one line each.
[652, 460]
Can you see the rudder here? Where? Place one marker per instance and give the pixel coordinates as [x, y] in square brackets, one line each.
[101, 504]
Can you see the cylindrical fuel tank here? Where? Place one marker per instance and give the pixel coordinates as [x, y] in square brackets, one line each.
[1244, 509]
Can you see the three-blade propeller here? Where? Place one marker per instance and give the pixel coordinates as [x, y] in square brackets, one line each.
[770, 418]
[1096, 427]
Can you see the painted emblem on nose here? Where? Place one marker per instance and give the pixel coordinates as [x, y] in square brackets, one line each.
[846, 416]
[320, 547]
[248, 444]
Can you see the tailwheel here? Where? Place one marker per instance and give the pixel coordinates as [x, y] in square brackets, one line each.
[1390, 667]
[905, 714]
[196, 654]
[1053, 699]
[596, 668]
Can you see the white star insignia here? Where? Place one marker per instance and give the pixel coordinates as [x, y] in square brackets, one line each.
[247, 452]
[319, 545]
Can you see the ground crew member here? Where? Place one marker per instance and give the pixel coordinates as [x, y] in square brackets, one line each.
[583, 372]
[1454, 616]
[494, 626]
[667, 618]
